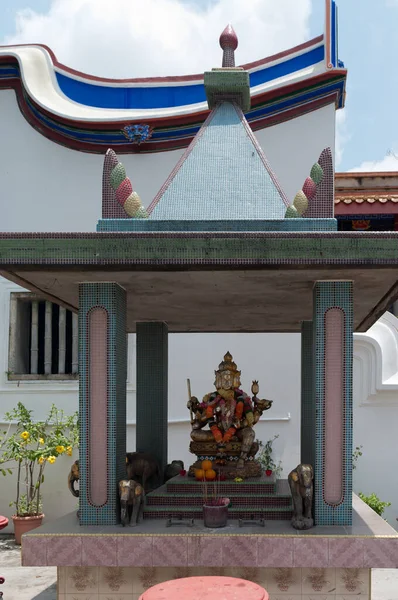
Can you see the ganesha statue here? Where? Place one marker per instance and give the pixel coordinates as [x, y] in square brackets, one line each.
[222, 424]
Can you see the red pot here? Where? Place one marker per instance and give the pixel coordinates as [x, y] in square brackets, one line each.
[3, 522]
[268, 472]
[25, 524]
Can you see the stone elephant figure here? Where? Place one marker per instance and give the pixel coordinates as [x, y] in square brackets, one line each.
[302, 488]
[142, 467]
[132, 502]
[173, 469]
[73, 477]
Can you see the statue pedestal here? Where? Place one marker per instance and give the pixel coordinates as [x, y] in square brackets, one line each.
[230, 470]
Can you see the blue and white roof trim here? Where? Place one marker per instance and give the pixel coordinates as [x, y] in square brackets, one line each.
[89, 113]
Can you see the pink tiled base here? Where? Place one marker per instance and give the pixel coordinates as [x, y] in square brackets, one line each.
[283, 583]
[311, 552]
[99, 551]
[178, 550]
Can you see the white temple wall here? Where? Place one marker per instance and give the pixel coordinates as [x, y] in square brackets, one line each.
[375, 387]
[46, 187]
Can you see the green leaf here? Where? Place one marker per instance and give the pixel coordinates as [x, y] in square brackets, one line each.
[42, 478]
[4, 472]
[10, 472]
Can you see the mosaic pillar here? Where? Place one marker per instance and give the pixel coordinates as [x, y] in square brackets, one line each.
[102, 397]
[333, 341]
[307, 395]
[152, 382]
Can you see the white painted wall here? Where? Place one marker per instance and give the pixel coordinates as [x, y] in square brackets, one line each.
[46, 187]
[376, 412]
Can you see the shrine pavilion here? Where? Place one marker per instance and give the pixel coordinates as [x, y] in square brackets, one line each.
[221, 248]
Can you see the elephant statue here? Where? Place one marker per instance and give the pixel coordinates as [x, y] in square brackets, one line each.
[173, 469]
[302, 489]
[73, 477]
[142, 466]
[132, 501]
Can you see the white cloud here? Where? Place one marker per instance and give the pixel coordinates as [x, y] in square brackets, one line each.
[138, 38]
[388, 163]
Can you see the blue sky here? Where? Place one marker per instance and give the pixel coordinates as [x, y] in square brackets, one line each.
[368, 45]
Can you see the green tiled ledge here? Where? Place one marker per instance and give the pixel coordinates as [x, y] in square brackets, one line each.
[271, 248]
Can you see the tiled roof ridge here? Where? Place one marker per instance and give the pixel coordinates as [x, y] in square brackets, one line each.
[261, 154]
[361, 198]
[179, 164]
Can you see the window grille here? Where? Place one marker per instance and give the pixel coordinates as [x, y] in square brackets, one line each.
[43, 341]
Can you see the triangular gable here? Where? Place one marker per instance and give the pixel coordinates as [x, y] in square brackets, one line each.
[223, 174]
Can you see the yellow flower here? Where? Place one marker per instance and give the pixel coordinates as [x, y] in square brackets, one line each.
[69, 451]
[60, 449]
[238, 479]
[41, 460]
[41, 441]
[25, 435]
[51, 459]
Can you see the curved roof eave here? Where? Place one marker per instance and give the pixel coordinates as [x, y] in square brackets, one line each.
[85, 112]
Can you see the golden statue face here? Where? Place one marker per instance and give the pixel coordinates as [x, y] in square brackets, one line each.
[227, 376]
[227, 380]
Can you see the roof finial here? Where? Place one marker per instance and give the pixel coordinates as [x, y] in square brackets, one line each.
[229, 43]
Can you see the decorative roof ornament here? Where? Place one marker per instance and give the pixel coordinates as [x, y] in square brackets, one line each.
[123, 193]
[228, 43]
[228, 83]
[137, 134]
[306, 194]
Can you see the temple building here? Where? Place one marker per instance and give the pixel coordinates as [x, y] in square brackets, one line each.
[237, 229]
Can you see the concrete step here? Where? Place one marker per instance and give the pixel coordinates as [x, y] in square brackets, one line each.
[261, 485]
[253, 500]
[195, 512]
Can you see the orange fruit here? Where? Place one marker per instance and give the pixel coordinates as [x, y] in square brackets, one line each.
[199, 474]
[206, 465]
[210, 474]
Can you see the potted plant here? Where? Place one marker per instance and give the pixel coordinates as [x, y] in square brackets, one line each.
[266, 459]
[31, 446]
[215, 506]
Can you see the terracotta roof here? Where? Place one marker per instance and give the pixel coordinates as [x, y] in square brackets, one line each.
[366, 188]
[371, 199]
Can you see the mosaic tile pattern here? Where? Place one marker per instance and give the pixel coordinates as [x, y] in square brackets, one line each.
[219, 168]
[322, 206]
[327, 296]
[111, 209]
[253, 499]
[267, 550]
[282, 583]
[217, 225]
[256, 248]
[308, 417]
[98, 404]
[334, 406]
[152, 390]
[111, 298]
[223, 85]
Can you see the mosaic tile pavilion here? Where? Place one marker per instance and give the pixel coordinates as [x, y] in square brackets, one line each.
[221, 248]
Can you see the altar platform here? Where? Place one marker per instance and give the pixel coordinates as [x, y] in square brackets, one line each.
[369, 543]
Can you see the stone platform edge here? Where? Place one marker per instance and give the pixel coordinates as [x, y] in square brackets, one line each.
[240, 550]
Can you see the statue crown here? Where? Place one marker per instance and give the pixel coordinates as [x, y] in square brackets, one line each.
[228, 364]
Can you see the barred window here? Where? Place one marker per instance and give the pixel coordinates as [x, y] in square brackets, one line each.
[43, 341]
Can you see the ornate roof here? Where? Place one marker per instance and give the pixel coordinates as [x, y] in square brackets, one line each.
[366, 193]
[90, 113]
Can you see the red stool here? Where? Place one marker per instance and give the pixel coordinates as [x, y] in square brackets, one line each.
[206, 588]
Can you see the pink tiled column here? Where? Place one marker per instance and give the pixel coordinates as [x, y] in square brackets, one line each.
[333, 342]
[102, 406]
